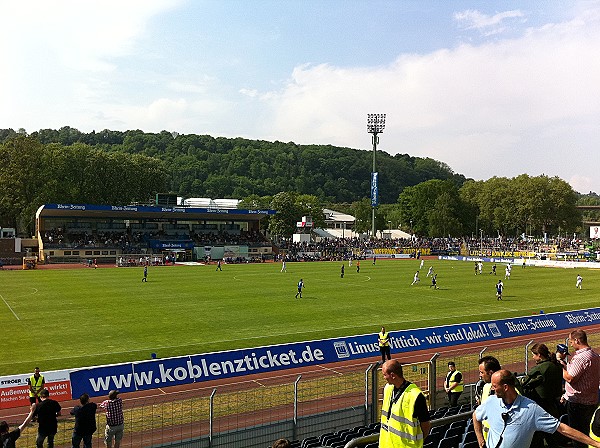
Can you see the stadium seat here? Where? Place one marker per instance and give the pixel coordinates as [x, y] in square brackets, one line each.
[309, 442]
[452, 411]
[469, 436]
[466, 408]
[433, 438]
[459, 424]
[456, 431]
[450, 442]
[472, 444]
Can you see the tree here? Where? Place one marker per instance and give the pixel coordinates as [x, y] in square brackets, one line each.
[432, 208]
[362, 215]
[22, 179]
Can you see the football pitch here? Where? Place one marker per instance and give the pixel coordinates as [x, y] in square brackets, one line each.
[83, 317]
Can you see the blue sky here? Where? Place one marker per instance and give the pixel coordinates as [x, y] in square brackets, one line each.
[490, 88]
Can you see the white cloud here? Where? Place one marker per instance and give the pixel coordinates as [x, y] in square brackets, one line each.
[528, 104]
[488, 25]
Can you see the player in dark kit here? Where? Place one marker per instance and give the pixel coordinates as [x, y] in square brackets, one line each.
[300, 286]
[145, 278]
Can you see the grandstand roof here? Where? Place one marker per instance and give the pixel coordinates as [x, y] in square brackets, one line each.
[333, 216]
[208, 202]
[149, 212]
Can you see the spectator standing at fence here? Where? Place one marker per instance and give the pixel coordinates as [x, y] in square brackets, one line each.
[8, 438]
[453, 384]
[582, 379]
[46, 412]
[115, 421]
[513, 418]
[404, 413]
[543, 384]
[85, 422]
[487, 366]
[595, 426]
[282, 443]
[384, 344]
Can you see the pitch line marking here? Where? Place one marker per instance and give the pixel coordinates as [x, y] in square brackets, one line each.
[9, 307]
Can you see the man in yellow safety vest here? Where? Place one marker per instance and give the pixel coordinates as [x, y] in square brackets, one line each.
[384, 345]
[453, 384]
[36, 384]
[404, 414]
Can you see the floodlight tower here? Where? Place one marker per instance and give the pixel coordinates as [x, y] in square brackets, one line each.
[375, 125]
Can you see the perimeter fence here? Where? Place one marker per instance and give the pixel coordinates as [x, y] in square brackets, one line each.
[256, 411]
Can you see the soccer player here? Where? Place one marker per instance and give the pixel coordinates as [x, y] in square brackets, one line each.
[283, 266]
[300, 287]
[145, 278]
[434, 282]
[579, 280]
[430, 271]
[499, 289]
[416, 278]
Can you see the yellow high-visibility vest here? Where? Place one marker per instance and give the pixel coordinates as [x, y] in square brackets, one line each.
[399, 429]
[36, 385]
[452, 379]
[594, 436]
[384, 339]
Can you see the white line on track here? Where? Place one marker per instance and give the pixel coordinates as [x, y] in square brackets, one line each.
[327, 368]
[9, 307]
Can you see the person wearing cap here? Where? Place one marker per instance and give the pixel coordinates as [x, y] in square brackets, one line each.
[582, 379]
[115, 421]
[513, 418]
[46, 412]
[453, 384]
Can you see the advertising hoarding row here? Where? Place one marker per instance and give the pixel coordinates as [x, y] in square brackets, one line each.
[160, 373]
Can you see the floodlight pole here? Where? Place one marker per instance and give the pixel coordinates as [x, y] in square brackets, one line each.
[375, 126]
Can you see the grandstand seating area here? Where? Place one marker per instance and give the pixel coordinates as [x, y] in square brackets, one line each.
[457, 434]
[132, 240]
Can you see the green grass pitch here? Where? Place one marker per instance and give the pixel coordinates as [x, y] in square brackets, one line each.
[81, 317]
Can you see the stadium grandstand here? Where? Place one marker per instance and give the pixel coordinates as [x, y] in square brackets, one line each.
[196, 230]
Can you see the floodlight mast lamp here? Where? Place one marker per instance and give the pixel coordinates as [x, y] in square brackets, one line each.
[375, 125]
